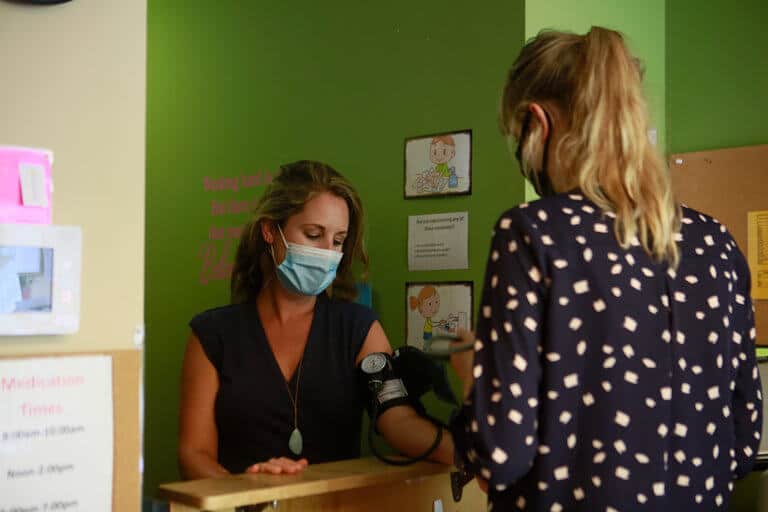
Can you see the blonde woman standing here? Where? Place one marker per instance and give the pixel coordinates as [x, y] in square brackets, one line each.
[614, 363]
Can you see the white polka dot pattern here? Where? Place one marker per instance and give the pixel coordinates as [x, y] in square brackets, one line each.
[604, 380]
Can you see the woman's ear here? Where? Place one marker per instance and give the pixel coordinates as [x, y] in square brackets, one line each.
[267, 231]
[540, 117]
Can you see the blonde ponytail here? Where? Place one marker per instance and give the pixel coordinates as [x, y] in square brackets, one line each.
[604, 150]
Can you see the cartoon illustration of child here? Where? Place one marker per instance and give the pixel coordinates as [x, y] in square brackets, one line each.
[441, 150]
[440, 173]
[427, 302]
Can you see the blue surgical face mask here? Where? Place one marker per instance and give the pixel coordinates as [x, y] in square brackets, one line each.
[307, 270]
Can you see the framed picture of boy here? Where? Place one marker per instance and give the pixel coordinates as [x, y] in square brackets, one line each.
[436, 309]
[438, 164]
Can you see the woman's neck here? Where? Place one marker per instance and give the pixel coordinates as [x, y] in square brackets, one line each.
[281, 305]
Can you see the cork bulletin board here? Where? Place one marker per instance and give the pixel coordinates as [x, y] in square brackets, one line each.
[727, 184]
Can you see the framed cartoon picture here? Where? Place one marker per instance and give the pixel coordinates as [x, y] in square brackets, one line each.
[438, 164]
[437, 308]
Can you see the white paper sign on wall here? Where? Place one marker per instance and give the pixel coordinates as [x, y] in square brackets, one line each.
[439, 241]
[56, 434]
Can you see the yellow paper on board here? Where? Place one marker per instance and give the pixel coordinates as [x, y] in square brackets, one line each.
[757, 252]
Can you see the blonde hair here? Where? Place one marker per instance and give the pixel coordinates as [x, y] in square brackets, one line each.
[297, 183]
[604, 148]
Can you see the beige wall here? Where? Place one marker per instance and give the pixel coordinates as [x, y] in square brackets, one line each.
[73, 80]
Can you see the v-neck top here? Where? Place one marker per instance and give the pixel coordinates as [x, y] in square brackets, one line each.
[253, 410]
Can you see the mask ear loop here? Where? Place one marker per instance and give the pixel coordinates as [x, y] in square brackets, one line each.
[524, 129]
[545, 158]
[539, 180]
[280, 230]
[521, 140]
[537, 174]
[272, 248]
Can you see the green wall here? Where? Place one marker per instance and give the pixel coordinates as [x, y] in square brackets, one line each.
[717, 74]
[237, 88]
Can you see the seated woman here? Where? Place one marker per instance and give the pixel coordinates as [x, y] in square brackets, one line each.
[270, 382]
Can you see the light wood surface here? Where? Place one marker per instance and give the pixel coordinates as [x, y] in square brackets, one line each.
[348, 486]
[726, 184]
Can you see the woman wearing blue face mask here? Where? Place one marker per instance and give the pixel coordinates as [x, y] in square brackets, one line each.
[270, 381]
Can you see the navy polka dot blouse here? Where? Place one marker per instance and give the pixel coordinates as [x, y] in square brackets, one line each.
[603, 380]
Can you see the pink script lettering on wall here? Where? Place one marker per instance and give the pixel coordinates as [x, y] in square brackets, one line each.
[224, 233]
[216, 259]
[216, 254]
[232, 206]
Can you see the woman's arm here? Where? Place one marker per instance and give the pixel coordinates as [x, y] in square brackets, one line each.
[402, 427]
[495, 432]
[198, 437]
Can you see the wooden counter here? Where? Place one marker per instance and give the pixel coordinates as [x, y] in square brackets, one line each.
[348, 486]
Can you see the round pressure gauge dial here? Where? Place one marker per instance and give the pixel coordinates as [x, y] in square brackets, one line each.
[373, 363]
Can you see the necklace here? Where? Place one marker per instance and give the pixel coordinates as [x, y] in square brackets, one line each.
[295, 442]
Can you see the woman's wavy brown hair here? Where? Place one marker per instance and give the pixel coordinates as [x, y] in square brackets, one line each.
[297, 183]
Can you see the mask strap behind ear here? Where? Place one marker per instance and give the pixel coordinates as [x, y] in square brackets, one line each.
[272, 248]
[523, 135]
[279, 229]
[546, 142]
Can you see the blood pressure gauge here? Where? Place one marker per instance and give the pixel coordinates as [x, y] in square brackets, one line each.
[373, 363]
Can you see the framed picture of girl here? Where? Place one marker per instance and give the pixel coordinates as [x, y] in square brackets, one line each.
[436, 308]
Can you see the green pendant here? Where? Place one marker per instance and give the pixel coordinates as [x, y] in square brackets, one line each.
[296, 442]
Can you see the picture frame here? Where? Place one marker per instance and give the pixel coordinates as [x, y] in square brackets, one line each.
[439, 164]
[437, 308]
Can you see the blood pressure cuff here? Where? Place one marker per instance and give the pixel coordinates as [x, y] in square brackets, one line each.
[422, 374]
[402, 379]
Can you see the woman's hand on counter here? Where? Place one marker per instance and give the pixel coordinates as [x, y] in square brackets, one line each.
[278, 466]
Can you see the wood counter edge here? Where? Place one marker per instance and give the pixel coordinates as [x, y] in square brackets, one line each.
[246, 489]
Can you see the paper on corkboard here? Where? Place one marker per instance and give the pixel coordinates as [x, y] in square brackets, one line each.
[757, 252]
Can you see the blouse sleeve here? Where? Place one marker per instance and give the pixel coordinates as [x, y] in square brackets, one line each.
[495, 431]
[747, 396]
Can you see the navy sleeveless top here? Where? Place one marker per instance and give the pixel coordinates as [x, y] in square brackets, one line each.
[253, 410]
